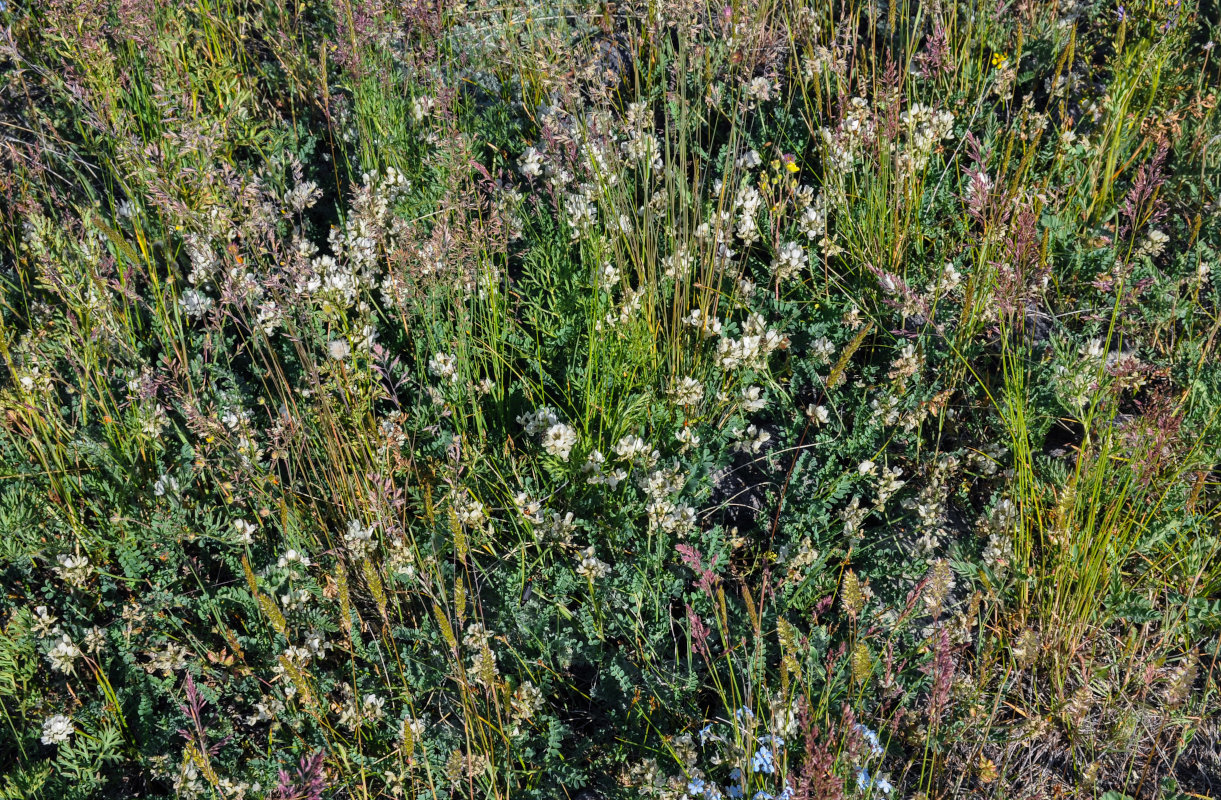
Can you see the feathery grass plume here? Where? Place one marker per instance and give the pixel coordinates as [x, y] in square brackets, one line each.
[940, 581]
[841, 365]
[447, 630]
[345, 598]
[274, 614]
[790, 666]
[374, 581]
[1025, 649]
[307, 783]
[862, 663]
[455, 766]
[460, 599]
[299, 681]
[1179, 687]
[756, 622]
[850, 595]
[459, 534]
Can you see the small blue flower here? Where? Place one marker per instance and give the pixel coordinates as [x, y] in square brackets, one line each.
[787, 794]
[695, 787]
[763, 761]
[735, 774]
[762, 795]
[871, 738]
[864, 782]
[705, 732]
[743, 713]
[733, 791]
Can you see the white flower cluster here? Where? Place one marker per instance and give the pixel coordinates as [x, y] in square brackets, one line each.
[526, 702]
[949, 280]
[758, 89]
[358, 538]
[751, 351]
[812, 223]
[266, 710]
[639, 145]
[443, 366]
[581, 209]
[33, 378]
[818, 415]
[926, 127]
[195, 303]
[558, 438]
[708, 326]
[558, 527]
[269, 317]
[621, 315]
[243, 531]
[750, 440]
[171, 658]
[63, 654]
[591, 568]
[204, 263]
[821, 350]
[753, 399]
[998, 554]
[845, 143]
[888, 485]
[660, 486]
[597, 474]
[295, 600]
[315, 646]
[687, 393]
[57, 729]
[303, 195]
[354, 713]
[530, 163]
[907, 364]
[529, 508]
[824, 60]
[538, 420]
[886, 409]
[292, 557]
[74, 568]
[853, 516]
[335, 280]
[1153, 244]
[469, 510]
[636, 451]
[421, 107]
[678, 264]
[747, 203]
[790, 259]
[929, 505]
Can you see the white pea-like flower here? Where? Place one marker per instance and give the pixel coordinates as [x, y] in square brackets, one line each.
[444, 366]
[559, 439]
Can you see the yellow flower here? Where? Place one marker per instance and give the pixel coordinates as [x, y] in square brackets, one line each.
[998, 60]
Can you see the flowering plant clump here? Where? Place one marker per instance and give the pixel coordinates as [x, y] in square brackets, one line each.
[668, 400]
